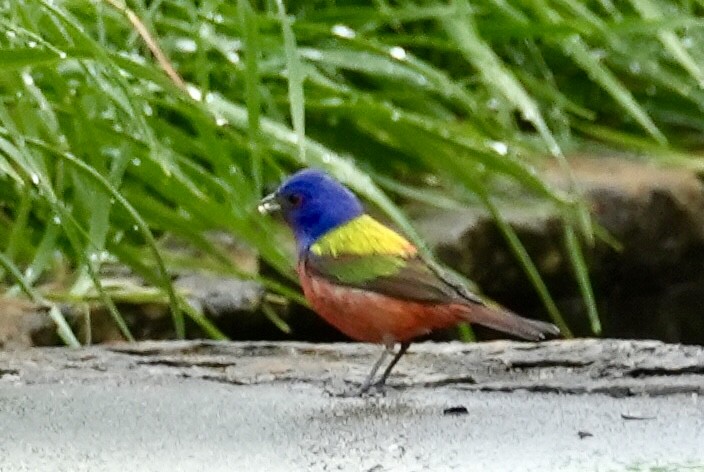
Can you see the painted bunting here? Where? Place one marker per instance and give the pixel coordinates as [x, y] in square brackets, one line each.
[368, 281]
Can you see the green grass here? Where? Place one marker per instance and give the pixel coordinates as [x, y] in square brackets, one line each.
[122, 124]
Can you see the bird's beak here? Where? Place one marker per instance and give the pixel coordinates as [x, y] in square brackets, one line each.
[269, 204]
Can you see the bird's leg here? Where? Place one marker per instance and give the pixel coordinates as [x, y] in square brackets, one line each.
[379, 384]
[368, 381]
[392, 364]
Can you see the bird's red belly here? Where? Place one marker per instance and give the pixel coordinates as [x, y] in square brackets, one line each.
[372, 317]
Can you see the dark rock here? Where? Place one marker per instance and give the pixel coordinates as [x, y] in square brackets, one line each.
[24, 324]
[647, 288]
[220, 297]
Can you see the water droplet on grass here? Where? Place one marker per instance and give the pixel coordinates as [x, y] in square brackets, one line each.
[312, 54]
[599, 54]
[531, 114]
[398, 53]
[492, 103]
[27, 79]
[343, 31]
[186, 45]
[195, 93]
[233, 57]
[501, 148]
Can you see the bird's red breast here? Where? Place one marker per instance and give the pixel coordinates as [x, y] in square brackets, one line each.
[373, 317]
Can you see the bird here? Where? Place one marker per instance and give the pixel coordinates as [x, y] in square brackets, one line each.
[369, 281]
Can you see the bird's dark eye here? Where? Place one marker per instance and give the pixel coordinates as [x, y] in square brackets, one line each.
[294, 199]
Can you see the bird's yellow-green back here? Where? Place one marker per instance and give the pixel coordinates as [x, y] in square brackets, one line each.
[362, 236]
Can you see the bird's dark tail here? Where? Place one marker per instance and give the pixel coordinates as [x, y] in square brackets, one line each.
[505, 321]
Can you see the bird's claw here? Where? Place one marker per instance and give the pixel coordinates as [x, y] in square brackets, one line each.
[377, 389]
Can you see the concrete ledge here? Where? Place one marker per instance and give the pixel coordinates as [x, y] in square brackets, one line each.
[192, 405]
[612, 367]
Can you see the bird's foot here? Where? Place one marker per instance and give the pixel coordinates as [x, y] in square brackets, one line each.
[377, 389]
[373, 390]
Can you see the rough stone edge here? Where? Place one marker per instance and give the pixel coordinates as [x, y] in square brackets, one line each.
[616, 368]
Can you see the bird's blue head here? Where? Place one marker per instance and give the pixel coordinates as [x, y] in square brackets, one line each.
[312, 203]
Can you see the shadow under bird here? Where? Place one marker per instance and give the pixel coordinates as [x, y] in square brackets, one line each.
[368, 281]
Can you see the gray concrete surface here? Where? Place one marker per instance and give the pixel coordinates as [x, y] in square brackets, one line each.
[192, 406]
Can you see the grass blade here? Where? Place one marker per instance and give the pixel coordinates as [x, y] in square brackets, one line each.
[296, 76]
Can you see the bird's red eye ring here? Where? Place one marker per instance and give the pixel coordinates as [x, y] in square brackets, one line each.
[294, 199]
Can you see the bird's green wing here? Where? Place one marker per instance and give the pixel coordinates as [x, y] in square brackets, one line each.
[408, 278]
[364, 253]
